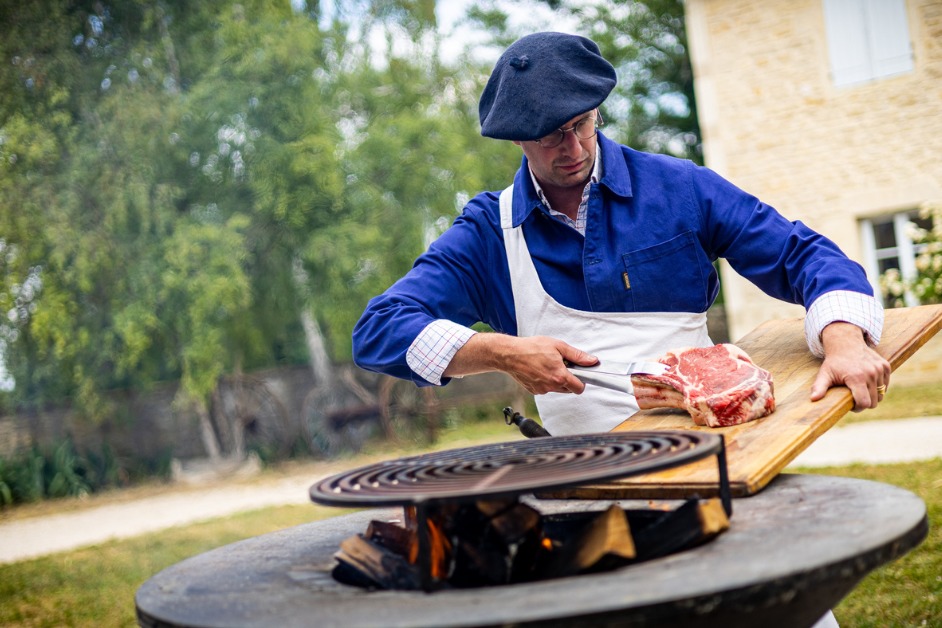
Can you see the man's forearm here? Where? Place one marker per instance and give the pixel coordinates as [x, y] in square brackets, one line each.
[839, 335]
[482, 353]
[538, 363]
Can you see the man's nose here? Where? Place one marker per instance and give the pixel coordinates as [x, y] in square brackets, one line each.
[570, 140]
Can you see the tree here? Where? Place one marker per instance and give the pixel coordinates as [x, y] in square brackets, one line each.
[186, 187]
[181, 183]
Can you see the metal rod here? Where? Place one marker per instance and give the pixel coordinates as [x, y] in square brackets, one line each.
[424, 559]
[725, 495]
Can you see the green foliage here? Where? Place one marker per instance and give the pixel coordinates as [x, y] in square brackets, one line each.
[6, 491]
[203, 289]
[926, 286]
[65, 480]
[27, 477]
[61, 471]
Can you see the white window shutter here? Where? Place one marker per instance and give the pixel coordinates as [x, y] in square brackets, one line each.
[891, 49]
[846, 26]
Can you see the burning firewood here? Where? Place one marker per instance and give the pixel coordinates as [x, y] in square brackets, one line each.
[492, 542]
[691, 524]
[364, 563]
[391, 536]
[604, 543]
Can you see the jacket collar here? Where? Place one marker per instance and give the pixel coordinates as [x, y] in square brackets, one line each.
[614, 177]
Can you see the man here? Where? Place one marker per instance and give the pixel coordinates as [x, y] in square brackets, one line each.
[601, 251]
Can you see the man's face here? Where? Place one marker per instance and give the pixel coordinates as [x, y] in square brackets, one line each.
[567, 165]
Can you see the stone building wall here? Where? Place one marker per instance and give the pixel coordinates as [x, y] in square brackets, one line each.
[774, 124]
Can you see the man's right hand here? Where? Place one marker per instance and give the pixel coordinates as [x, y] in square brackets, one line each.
[538, 363]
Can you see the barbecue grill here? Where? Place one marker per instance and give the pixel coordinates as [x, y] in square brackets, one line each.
[792, 552]
[518, 467]
[508, 470]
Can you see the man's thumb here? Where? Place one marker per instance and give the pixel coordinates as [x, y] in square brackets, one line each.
[579, 357]
[820, 386]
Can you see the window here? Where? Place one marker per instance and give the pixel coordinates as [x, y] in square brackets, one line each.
[867, 39]
[886, 245]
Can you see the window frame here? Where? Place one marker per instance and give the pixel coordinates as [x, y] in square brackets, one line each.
[867, 40]
[904, 250]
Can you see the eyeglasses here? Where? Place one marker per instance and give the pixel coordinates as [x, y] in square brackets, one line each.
[583, 129]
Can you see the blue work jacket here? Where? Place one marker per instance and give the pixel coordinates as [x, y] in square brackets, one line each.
[655, 226]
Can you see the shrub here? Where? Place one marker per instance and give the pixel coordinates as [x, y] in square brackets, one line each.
[926, 286]
[61, 471]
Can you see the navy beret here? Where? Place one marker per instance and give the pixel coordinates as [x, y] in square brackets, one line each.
[541, 82]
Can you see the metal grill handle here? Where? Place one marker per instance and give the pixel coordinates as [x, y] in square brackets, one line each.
[528, 427]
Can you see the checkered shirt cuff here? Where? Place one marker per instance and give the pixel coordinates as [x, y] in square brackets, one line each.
[432, 350]
[859, 309]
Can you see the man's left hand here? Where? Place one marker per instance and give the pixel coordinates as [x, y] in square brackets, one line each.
[849, 361]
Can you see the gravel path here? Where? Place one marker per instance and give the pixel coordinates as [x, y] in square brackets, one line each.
[874, 442]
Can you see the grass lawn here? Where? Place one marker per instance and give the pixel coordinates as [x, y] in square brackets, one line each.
[903, 401]
[908, 591]
[96, 586]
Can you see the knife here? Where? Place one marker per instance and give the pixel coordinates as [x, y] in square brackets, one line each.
[615, 375]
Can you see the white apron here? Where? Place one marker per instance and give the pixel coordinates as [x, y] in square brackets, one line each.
[621, 336]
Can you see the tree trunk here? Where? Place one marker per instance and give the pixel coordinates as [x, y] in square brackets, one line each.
[317, 350]
[208, 435]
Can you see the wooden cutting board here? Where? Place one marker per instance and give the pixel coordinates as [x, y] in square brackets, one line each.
[758, 451]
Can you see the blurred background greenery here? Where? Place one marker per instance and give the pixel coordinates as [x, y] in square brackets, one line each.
[194, 191]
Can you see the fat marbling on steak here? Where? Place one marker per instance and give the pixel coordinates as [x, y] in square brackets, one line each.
[718, 386]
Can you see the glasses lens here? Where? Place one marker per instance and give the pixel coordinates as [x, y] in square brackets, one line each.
[553, 139]
[585, 128]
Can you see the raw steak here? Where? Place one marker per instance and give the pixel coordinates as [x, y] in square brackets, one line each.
[717, 385]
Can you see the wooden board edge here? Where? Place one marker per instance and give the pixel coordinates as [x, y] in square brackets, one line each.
[838, 410]
[822, 421]
[617, 490]
[933, 326]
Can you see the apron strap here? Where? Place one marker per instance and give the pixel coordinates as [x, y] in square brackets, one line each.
[507, 207]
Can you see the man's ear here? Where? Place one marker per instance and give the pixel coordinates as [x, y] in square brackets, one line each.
[517, 142]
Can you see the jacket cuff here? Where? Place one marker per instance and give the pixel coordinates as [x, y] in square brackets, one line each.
[432, 350]
[856, 308]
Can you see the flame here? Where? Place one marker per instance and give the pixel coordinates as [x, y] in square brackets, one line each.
[439, 551]
[653, 505]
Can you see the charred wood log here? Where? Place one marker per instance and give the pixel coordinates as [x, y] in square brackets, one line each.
[366, 564]
[687, 526]
[391, 536]
[604, 542]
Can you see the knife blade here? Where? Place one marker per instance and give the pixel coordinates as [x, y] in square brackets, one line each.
[615, 375]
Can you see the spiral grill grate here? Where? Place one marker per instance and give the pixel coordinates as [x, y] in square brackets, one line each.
[507, 469]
